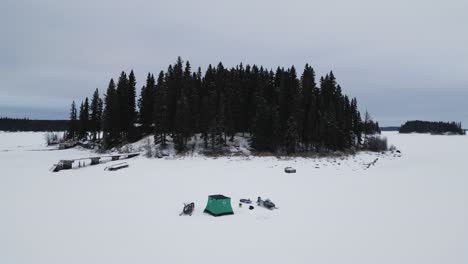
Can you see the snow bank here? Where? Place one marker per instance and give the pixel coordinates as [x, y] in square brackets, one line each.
[195, 147]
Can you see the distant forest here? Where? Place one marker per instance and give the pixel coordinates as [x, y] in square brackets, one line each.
[279, 110]
[390, 128]
[432, 127]
[24, 124]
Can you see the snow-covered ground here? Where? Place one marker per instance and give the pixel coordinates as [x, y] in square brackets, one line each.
[409, 209]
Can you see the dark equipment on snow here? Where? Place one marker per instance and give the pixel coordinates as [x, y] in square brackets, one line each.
[266, 204]
[117, 166]
[251, 207]
[247, 201]
[188, 209]
[289, 170]
[68, 164]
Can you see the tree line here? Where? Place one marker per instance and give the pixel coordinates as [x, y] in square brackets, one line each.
[432, 127]
[280, 111]
[25, 124]
[88, 121]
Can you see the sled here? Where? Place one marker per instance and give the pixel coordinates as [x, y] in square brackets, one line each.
[117, 166]
[246, 201]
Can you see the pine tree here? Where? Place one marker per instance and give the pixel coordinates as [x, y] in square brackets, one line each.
[194, 101]
[95, 115]
[73, 129]
[131, 104]
[161, 122]
[122, 104]
[174, 83]
[146, 104]
[110, 117]
[84, 120]
[99, 118]
[308, 105]
[356, 123]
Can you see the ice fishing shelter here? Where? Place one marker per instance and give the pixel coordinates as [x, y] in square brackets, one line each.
[218, 205]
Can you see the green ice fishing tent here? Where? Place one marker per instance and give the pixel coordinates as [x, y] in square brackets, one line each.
[218, 205]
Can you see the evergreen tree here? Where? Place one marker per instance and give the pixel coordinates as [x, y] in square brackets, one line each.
[356, 123]
[110, 116]
[84, 120]
[174, 83]
[99, 118]
[308, 105]
[131, 105]
[121, 103]
[73, 129]
[161, 123]
[95, 115]
[146, 104]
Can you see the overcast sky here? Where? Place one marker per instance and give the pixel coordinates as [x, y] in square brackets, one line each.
[402, 59]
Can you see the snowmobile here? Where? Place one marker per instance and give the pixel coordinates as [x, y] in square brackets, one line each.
[188, 209]
[266, 204]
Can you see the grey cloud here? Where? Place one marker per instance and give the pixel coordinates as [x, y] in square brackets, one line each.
[383, 52]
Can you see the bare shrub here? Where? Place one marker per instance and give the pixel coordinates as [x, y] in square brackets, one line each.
[126, 149]
[148, 149]
[52, 138]
[376, 144]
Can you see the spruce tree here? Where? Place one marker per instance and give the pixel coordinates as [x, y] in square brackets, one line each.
[161, 122]
[356, 124]
[73, 129]
[84, 120]
[308, 105]
[81, 128]
[131, 105]
[109, 116]
[95, 115]
[146, 104]
[122, 107]
[99, 118]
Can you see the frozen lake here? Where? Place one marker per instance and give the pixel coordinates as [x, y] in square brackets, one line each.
[409, 209]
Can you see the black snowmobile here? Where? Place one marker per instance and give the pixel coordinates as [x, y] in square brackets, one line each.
[266, 204]
[188, 209]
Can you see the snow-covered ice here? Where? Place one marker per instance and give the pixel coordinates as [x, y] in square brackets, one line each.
[408, 209]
